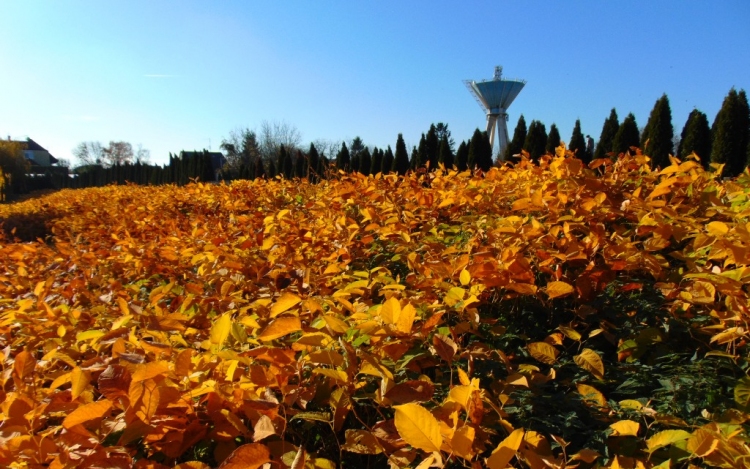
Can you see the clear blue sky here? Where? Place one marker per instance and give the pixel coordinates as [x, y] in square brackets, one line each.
[176, 75]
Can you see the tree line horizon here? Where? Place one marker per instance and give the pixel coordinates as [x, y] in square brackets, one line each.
[276, 151]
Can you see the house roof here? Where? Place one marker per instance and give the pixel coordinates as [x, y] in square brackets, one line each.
[31, 145]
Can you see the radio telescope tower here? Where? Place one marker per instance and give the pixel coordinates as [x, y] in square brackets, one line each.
[495, 96]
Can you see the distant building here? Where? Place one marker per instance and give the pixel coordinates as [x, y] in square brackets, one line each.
[36, 154]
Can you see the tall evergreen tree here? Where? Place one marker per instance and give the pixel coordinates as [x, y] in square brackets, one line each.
[300, 165]
[578, 143]
[343, 160]
[401, 161]
[519, 138]
[377, 161]
[365, 162]
[414, 159]
[731, 133]
[272, 171]
[388, 160]
[288, 165]
[696, 138]
[446, 155]
[462, 156]
[627, 136]
[536, 140]
[553, 139]
[607, 137]
[313, 163]
[419, 158]
[658, 135]
[480, 151]
[433, 147]
[280, 158]
[355, 164]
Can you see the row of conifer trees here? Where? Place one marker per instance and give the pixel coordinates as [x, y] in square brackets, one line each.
[726, 141]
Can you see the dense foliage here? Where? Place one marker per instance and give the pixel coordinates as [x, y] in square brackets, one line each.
[550, 315]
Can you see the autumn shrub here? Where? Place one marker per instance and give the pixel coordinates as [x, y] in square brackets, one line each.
[537, 315]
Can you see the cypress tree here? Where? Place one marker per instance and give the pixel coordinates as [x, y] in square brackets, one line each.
[419, 157]
[578, 143]
[731, 133]
[323, 166]
[462, 157]
[354, 163]
[377, 161]
[388, 160]
[260, 170]
[313, 163]
[365, 162]
[627, 136]
[343, 161]
[553, 139]
[658, 135]
[519, 137]
[607, 137]
[414, 158]
[446, 155]
[475, 145]
[536, 140]
[280, 158]
[300, 165]
[696, 138]
[432, 147]
[401, 161]
[272, 170]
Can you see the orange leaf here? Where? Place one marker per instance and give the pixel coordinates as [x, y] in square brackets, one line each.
[249, 456]
[505, 451]
[86, 413]
[284, 303]
[591, 362]
[557, 289]
[280, 327]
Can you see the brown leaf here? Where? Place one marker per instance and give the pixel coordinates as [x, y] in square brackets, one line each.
[411, 391]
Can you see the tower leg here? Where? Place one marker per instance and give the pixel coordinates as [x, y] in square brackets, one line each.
[502, 135]
[491, 119]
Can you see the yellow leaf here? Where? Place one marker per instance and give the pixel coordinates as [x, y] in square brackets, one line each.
[337, 375]
[406, 318]
[717, 228]
[465, 277]
[505, 451]
[362, 442]
[281, 327]
[591, 362]
[390, 311]
[625, 428]
[463, 441]
[591, 395]
[557, 289]
[79, 379]
[86, 413]
[249, 456]
[220, 329]
[463, 377]
[543, 352]
[418, 427]
[284, 303]
[665, 438]
[702, 443]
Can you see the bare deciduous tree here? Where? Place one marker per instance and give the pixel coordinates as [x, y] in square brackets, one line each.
[88, 153]
[274, 134]
[143, 155]
[117, 153]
